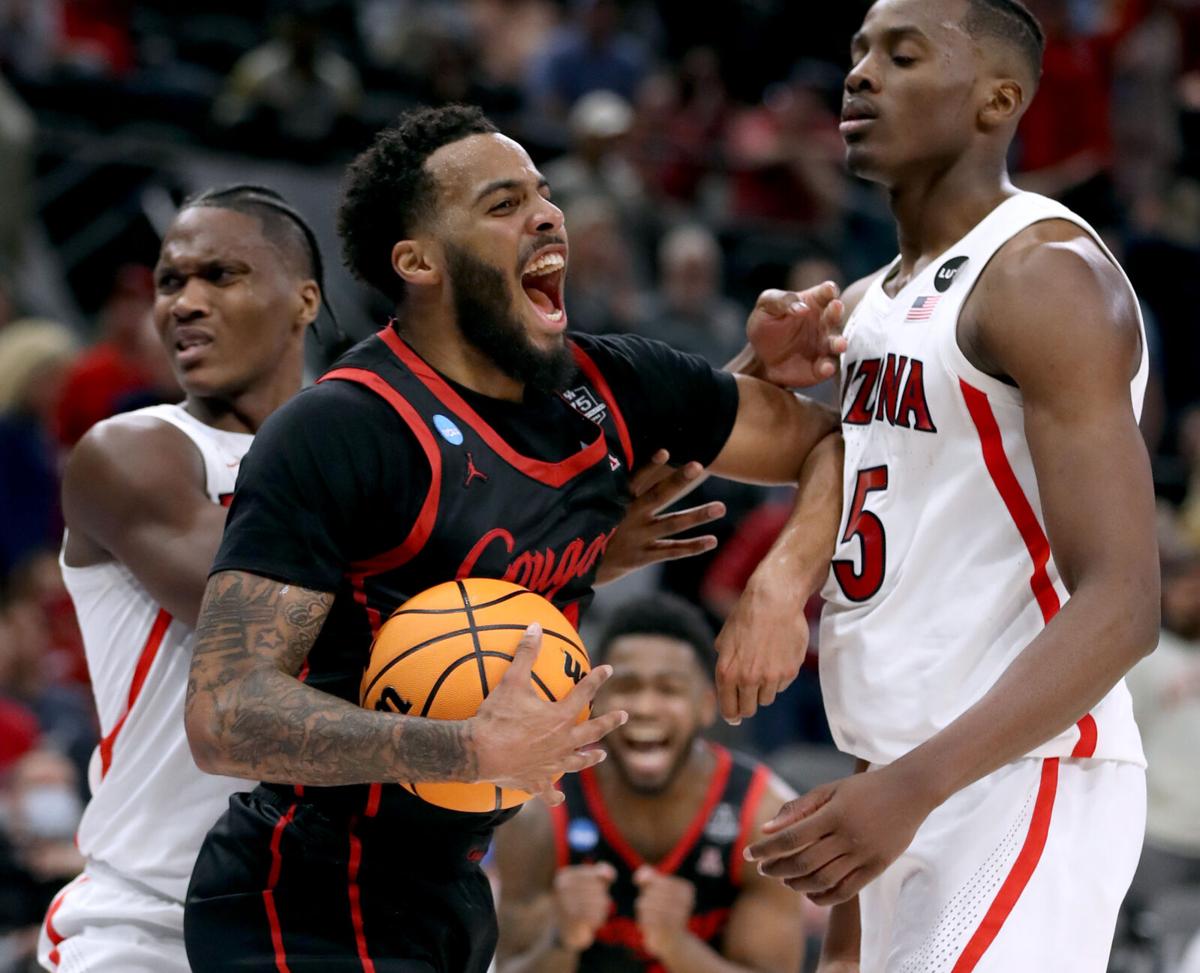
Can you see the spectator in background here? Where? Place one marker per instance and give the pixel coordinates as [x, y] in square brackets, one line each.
[1065, 140]
[596, 164]
[589, 53]
[641, 868]
[509, 34]
[1166, 696]
[605, 295]
[40, 808]
[125, 369]
[678, 129]
[41, 660]
[17, 130]
[785, 154]
[294, 87]
[30, 35]
[688, 310]
[34, 357]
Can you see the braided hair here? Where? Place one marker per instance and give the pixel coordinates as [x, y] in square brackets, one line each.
[284, 226]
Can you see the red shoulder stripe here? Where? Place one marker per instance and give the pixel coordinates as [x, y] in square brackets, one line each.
[559, 822]
[423, 527]
[754, 793]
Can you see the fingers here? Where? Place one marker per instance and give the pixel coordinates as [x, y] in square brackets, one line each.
[676, 523]
[807, 862]
[823, 879]
[653, 472]
[782, 303]
[727, 698]
[668, 489]
[679, 549]
[791, 813]
[582, 694]
[845, 890]
[805, 827]
[592, 731]
[525, 656]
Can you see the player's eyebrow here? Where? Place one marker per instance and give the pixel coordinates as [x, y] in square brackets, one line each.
[892, 34]
[496, 185]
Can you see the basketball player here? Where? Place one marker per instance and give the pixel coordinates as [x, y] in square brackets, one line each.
[468, 437]
[237, 285]
[145, 496]
[996, 572]
[641, 867]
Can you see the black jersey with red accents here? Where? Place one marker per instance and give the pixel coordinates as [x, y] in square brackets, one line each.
[387, 478]
[709, 855]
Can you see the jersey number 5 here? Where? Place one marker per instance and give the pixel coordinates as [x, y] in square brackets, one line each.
[861, 585]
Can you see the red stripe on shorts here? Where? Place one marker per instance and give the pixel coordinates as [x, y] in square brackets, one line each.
[269, 892]
[56, 938]
[1027, 524]
[1019, 874]
[356, 918]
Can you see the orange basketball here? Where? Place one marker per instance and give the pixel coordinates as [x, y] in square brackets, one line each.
[441, 653]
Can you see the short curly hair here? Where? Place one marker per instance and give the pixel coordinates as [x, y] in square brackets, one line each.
[388, 190]
[664, 615]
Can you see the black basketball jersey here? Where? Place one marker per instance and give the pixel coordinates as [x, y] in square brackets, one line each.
[550, 540]
[709, 855]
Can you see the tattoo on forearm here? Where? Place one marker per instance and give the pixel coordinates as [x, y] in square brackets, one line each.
[252, 638]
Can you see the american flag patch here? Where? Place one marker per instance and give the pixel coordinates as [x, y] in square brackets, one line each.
[922, 309]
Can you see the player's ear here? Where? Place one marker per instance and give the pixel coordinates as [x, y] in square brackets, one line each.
[1004, 105]
[310, 303]
[418, 262]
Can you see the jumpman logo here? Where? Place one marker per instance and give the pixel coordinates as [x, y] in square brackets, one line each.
[473, 472]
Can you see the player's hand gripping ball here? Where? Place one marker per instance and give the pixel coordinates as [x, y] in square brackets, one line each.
[442, 651]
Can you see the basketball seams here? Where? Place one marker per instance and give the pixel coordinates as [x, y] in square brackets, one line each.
[451, 610]
[466, 603]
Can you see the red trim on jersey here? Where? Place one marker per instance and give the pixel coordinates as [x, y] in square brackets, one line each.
[162, 622]
[423, 527]
[588, 367]
[571, 614]
[359, 591]
[56, 938]
[352, 891]
[551, 474]
[269, 892]
[1018, 876]
[754, 793]
[674, 858]
[1086, 747]
[559, 822]
[1027, 524]
[374, 796]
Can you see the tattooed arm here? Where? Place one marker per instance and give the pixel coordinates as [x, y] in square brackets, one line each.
[247, 714]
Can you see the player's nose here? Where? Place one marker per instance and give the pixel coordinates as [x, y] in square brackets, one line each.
[191, 301]
[546, 218]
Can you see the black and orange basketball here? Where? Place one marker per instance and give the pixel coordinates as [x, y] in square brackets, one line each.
[442, 652]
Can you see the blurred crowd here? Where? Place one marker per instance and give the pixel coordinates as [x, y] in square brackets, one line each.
[694, 148]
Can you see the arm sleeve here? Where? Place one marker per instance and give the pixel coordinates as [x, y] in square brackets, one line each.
[670, 400]
[332, 477]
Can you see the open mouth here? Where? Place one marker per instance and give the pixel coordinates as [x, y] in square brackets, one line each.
[542, 282]
[646, 751]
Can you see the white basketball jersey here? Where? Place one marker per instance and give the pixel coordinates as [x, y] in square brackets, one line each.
[151, 805]
[943, 571]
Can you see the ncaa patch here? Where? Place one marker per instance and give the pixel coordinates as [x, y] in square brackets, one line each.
[449, 431]
[582, 834]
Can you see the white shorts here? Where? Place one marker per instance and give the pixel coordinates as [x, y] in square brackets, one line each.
[1022, 872]
[101, 923]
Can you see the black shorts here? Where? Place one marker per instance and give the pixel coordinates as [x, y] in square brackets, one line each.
[280, 886]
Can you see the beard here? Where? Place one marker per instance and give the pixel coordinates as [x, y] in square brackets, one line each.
[483, 305]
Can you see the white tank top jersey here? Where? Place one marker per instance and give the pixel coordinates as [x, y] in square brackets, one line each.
[151, 805]
[943, 572]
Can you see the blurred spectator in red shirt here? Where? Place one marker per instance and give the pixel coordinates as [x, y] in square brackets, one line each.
[127, 368]
[785, 155]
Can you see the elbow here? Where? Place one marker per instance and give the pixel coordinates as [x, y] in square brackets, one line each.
[200, 724]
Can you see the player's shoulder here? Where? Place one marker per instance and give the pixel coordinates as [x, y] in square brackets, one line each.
[145, 446]
[854, 293]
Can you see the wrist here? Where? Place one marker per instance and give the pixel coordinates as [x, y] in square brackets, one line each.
[924, 779]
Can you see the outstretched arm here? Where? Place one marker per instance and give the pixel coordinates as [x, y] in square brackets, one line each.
[1056, 316]
[247, 715]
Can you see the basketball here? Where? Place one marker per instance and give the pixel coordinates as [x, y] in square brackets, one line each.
[442, 651]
